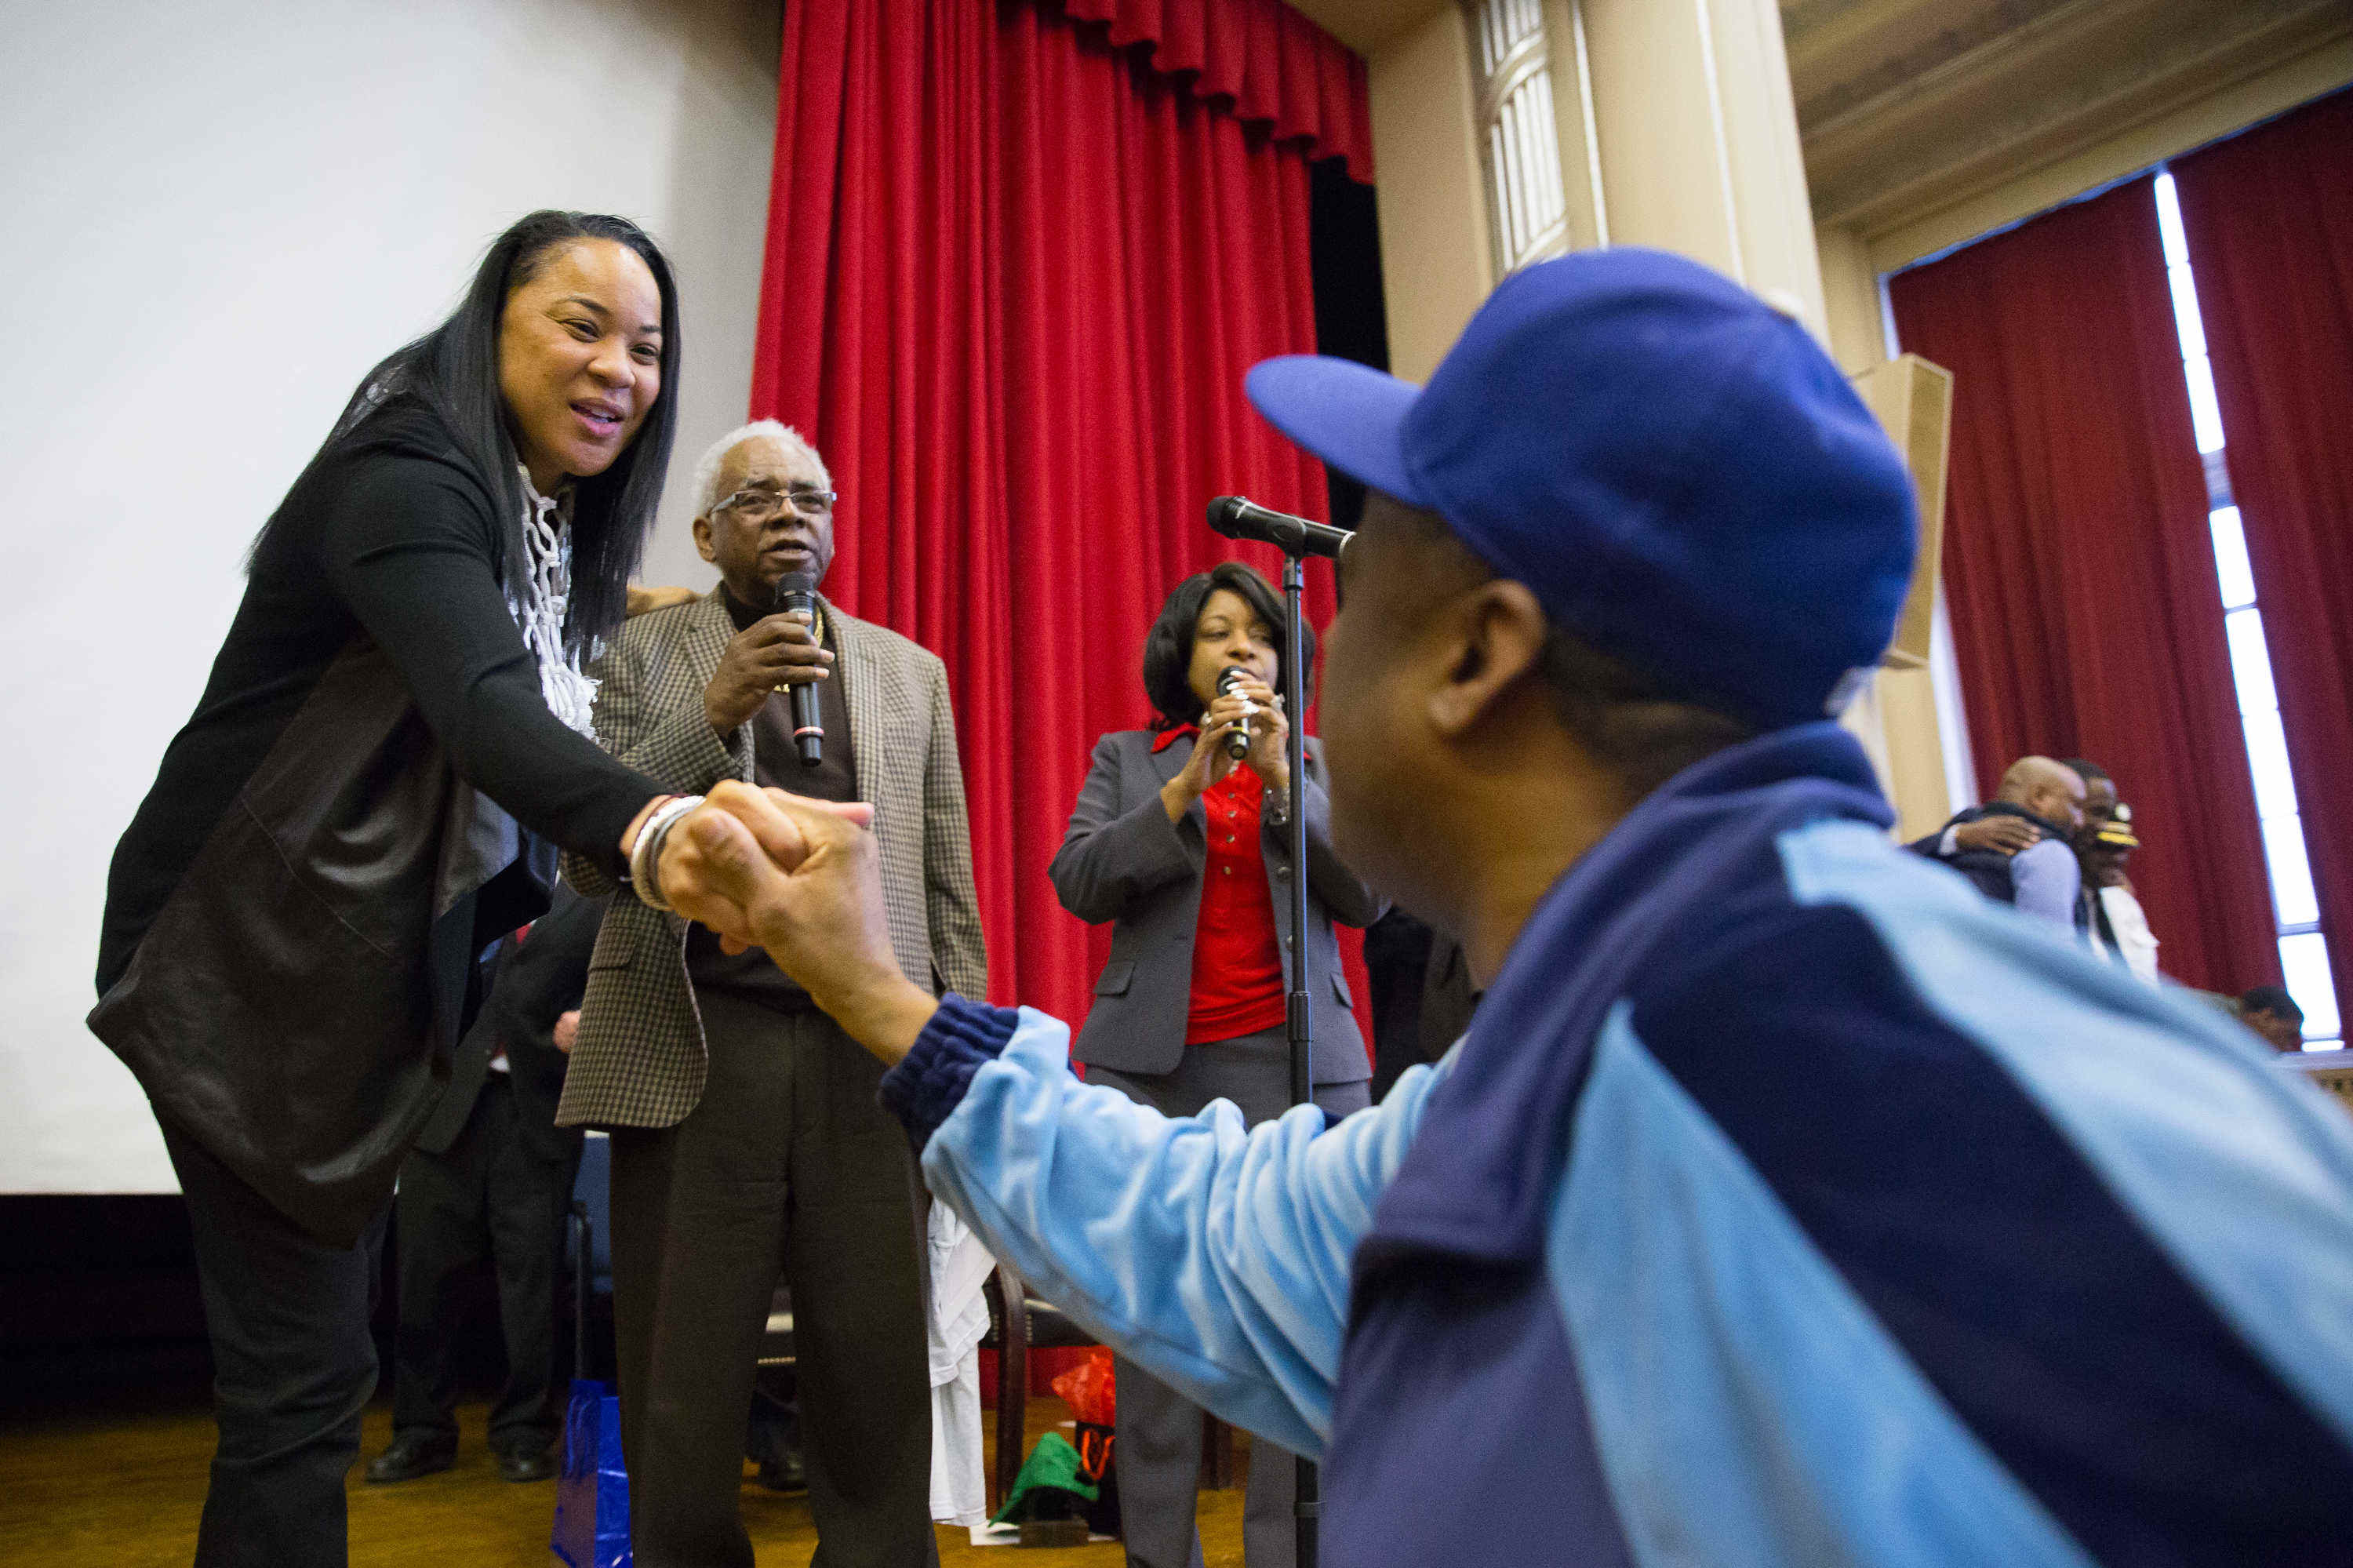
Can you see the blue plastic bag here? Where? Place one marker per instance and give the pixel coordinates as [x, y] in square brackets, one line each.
[592, 1496]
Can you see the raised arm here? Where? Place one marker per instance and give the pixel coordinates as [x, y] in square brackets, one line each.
[1216, 1258]
[1112, 857]
[679, 747]
[408, 547]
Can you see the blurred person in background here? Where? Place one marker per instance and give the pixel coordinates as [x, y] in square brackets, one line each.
[2270, 1011]
[2112, 916]
[491, 1177]
[2018, 848]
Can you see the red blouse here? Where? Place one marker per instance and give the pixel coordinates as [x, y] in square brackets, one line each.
[1236, 958]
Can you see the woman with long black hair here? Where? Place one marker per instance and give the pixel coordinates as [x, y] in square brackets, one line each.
[393, 744]
[1182, 847]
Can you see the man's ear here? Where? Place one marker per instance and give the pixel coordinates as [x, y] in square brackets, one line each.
[1496, 638]
[702, 546]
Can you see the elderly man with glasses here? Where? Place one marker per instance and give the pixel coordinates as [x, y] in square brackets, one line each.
[748, 1143]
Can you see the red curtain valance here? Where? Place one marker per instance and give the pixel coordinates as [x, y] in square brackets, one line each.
[1279, 68]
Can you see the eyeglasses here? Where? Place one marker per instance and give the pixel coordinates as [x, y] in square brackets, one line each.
[759, 505]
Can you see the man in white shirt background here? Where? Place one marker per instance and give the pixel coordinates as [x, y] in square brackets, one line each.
[2114, 920]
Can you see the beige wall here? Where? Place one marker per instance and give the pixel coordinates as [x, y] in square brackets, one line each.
[1907, 238]
[221, 213]
[1433, 213]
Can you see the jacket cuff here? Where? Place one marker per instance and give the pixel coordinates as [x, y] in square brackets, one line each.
[928, 1083]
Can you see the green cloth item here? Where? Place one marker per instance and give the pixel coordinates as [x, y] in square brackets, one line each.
[1052, 1466]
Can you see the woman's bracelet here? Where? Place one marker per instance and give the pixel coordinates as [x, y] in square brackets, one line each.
[645, 855]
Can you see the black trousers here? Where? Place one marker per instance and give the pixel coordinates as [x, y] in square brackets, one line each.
[1158, 1454]
[788, 1166]
[488, 1194]
[293, 1365]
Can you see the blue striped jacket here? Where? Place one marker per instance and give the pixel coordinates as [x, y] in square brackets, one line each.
[1786, 1204]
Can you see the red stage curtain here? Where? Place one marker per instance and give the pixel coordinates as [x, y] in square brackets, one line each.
[2268, 218]
[2079, 567]
[1014, 278]
[1277, 67]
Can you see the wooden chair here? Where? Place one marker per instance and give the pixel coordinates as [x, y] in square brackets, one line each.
[1041, 1325]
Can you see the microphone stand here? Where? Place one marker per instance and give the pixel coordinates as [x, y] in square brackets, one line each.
[1297, 538]
[1307, 1507]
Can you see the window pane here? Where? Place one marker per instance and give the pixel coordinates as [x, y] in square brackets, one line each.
[2250, 662]
[2168, 222]
[2267, 760]
[2305, 961]
[2187, 325]
[2324, 1045]
[2292, 893]
[2231, 558]
[2205, 412]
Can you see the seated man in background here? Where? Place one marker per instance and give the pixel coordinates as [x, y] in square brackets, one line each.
[2113, 919]
[2270, 1011]
[491, 1177]
[2018, 848]
[1784, 1203]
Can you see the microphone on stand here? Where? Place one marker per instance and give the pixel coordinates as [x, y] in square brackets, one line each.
[1237, 741]
[1237, 517]
[798, 592]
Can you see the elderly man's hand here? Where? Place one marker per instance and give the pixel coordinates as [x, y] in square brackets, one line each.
[802, 879]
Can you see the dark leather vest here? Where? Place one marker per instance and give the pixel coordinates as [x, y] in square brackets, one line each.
[294, 1006]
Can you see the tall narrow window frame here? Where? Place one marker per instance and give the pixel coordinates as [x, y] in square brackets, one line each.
[2303, 945]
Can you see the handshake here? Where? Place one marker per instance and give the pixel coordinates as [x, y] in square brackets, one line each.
[801, 880]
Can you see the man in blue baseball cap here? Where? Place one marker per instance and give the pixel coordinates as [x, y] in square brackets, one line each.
[1785, 1202]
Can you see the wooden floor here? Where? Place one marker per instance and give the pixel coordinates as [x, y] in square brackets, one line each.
[122, 1488]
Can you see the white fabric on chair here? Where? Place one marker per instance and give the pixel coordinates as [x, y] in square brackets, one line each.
[958, 1323]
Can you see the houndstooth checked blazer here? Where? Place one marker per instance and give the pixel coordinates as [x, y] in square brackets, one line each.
[639, 1060]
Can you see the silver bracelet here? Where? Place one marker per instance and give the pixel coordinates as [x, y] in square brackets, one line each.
[645, 855]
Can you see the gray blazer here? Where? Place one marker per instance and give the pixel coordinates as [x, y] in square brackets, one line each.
[639, 1060]
[1123, 861]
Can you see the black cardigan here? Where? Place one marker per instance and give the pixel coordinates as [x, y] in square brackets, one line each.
[292, 913]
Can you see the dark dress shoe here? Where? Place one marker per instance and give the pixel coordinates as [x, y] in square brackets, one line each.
[409, 1458]
[522, 1465]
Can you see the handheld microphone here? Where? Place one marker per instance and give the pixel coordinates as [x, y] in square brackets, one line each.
[1237, 741]
[798, 592]
[1237, 517]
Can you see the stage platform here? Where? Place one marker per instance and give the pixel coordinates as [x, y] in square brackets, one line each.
[120, 1485]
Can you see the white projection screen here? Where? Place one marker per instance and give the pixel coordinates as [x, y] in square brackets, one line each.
[220, 213]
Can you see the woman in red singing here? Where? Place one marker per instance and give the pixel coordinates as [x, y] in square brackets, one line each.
[1181, 846]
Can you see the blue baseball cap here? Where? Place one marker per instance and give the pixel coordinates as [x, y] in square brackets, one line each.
[1676, 469]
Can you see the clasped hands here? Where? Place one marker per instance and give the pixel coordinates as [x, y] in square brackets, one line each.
[801, 879]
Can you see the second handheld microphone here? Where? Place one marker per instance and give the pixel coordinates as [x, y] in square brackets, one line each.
[1237, 741]
[798, 592]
